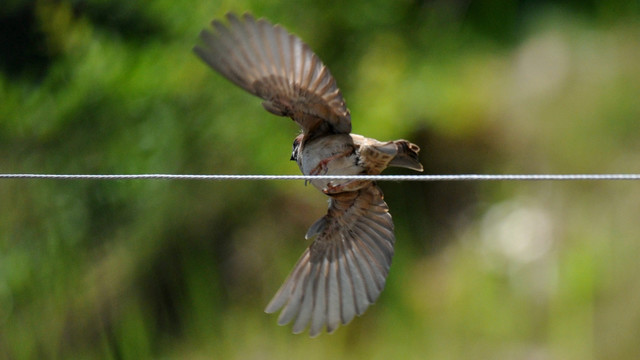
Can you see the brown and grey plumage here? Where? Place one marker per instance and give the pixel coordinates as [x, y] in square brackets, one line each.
[344, 269]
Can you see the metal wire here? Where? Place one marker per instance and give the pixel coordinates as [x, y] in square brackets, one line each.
[461, 177]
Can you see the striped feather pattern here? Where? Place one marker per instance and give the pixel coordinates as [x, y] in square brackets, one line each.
[344, 270]
[277, 66]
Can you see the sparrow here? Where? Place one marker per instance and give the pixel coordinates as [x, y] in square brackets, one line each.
[344, 269]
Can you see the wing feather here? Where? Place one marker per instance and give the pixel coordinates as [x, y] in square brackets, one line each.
[304, 315]
[334, 297]
[319, 315]
[344, 270]
[346, 286]
[359, 289]
[277, 66]
[292, 294]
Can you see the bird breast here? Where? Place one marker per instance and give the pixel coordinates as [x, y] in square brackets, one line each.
[338, 149]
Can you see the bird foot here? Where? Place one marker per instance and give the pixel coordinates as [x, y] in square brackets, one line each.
[322, 168]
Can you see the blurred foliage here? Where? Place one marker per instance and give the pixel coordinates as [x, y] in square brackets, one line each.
[183, 269]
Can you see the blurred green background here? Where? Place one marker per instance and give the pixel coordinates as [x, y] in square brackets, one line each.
[183, 269]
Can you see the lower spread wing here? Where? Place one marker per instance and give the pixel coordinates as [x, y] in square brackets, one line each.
[277, 66]
[344, 270]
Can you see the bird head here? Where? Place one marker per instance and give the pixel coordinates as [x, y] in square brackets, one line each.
[296, 147]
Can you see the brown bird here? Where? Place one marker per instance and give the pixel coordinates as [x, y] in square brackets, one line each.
[345, 268]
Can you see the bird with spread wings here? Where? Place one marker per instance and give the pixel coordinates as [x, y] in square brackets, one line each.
[344, 269]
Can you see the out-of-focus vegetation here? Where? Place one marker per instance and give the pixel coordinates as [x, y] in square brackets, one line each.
[183, 269]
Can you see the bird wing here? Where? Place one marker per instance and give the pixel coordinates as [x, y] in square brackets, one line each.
[344, 270]
[277, 66]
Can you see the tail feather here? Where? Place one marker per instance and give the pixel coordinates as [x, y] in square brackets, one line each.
[406, 155]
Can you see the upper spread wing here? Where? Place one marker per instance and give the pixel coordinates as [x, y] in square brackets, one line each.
[277, 66]
[344, 270]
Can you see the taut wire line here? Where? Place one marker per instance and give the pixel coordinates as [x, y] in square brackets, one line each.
[460, 177]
